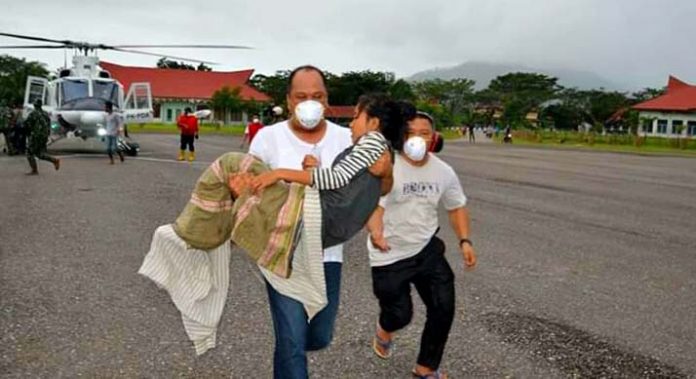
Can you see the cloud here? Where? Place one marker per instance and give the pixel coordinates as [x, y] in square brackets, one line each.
[627, 41]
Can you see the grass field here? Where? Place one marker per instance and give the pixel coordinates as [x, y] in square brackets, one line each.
[610, 143]
[234, 130]
[159, 128]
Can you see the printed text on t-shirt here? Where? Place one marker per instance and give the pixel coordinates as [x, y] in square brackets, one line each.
[421, 189]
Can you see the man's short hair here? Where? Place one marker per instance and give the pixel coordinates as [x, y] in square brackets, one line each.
[187, 110]
[425, 116]
[306, 67]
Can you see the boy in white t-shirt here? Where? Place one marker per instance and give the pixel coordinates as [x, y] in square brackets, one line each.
[405, 250]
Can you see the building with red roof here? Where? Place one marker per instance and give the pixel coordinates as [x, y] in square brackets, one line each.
[671, 115]
[340, 114]
[175, 89]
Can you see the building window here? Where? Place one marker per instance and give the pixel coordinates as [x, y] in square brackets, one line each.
[169, 114]
[661, 126]
[648, 126]
[676, 125]
[691, 128]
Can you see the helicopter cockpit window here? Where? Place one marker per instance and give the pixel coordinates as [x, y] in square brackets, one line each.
[105, 90]
[36, 92]
[73, 90]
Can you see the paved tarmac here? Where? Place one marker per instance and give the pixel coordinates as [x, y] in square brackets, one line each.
[586, 269]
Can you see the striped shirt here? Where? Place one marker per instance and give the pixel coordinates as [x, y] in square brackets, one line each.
[365, 153]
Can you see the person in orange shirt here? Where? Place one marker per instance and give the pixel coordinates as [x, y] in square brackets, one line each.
[188, 125]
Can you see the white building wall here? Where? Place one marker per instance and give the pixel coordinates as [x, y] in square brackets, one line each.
[670, 117]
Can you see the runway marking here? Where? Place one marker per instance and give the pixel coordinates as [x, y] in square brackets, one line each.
[162, 160]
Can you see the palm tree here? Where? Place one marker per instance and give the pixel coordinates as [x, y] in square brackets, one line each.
[227, 101]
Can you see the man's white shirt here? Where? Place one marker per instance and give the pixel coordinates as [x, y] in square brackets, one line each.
[279, 147]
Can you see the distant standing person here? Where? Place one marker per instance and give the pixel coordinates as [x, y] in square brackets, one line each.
[188, 125]
[472, 133]
[507, 138]
[19, 138]
[251, 129]
[6, 123]
[114, 125]
[38, 127]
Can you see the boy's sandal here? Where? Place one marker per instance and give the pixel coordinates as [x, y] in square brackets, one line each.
[433, 375]
[382, 348]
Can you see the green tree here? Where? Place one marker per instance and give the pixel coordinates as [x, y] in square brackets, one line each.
[252, 107]
[166, 63]
[203, 67]
[601, 105]
[455, 95]
[402, 90]
[562, 116]
[13, 78]
[443, 118]
[345, 89]
[275, 86]
[487, 98]
[227, 101]
[520, 93]
[647, 94]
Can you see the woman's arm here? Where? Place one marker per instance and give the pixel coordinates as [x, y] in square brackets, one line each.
[364, 154]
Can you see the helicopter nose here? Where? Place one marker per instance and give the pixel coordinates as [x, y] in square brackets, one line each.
[92, 118]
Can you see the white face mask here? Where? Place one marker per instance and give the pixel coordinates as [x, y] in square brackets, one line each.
[255, 121]
[309, 114]
[415, 148]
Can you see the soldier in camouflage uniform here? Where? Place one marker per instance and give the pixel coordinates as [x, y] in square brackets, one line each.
[38, 126]
[6, 118]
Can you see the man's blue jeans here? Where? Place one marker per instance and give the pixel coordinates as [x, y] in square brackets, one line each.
[294, 335]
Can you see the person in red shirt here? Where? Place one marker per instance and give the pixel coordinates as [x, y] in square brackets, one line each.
[188, 125]
[252, 128]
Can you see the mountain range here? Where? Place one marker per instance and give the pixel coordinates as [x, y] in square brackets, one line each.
[483, 72]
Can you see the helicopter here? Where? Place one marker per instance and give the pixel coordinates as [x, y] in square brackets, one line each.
[76, 97]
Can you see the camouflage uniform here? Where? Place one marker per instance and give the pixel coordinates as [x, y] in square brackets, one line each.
[6, 117]
[38, 127]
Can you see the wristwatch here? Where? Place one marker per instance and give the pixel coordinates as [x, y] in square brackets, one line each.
[465, 240]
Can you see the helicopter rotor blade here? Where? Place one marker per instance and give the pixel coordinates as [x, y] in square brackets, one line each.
[32, 38]
[86, 47]
[33, 47]
[184, 46]
[161, 55]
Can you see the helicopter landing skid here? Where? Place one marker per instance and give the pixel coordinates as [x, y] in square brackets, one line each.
[52, 140]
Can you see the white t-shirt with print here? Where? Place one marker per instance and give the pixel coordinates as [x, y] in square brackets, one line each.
[279, 147]
[410, 209]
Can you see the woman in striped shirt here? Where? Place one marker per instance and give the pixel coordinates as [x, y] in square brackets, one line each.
[350, 189]
[223, 205]
[378, 123]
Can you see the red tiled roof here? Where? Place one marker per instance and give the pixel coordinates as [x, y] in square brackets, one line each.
[680, 97]
[340, 111]
[184, 84]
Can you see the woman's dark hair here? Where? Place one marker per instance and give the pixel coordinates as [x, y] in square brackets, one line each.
[393, 116]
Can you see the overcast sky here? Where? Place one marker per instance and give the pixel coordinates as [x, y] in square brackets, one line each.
[633, 42]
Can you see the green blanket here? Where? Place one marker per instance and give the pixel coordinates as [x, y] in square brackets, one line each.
[266, 226]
